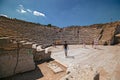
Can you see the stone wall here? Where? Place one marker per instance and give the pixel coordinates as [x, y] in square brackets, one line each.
[78, 35]
[117, 38]
[19, 56]
[8, 61]
[41, 54]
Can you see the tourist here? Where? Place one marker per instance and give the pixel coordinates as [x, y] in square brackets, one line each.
[95, 43]
[54, 44]
[92, 43]
[65, 48]
[84, 44]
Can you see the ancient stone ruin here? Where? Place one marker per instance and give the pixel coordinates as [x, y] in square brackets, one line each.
[19, 56]
[24, 43]
[45, 35]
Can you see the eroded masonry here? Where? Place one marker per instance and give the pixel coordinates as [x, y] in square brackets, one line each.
[24, 43]
[19, 56]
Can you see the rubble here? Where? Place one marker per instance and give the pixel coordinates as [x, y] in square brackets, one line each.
[81, 73]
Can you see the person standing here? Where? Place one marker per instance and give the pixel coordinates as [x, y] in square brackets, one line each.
[95, 43]
[84, 44]
[65, 48]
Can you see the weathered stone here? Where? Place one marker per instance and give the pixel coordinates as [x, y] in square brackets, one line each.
[55, 68]
[17, 60]
[81, 73]
[39, 55]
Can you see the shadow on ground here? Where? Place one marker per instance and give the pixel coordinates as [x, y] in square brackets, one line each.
[30, 75]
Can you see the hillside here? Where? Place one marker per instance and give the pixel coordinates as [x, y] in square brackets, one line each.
[41, 34]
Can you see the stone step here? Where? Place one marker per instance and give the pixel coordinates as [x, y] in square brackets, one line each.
[55, 67]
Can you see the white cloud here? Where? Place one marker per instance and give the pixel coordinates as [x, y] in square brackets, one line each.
[21, 9]
[36, 13]
[21, 6]
[3, 15]
[29, 10]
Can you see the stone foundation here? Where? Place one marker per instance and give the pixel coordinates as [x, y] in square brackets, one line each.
[8, 61]
[41, 55]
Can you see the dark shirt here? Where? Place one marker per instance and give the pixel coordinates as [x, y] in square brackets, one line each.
[65, 46]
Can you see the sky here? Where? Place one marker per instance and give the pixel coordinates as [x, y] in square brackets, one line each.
[62, 13]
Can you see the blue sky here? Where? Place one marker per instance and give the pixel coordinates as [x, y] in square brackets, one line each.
[62, 13]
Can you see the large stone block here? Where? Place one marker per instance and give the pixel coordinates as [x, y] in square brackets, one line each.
[39, 55]
[8, 61]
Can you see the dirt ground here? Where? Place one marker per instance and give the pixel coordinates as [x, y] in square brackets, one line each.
[49, 74]
[42, 72]
[105, 59]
